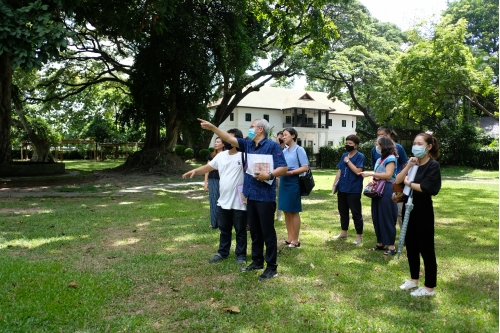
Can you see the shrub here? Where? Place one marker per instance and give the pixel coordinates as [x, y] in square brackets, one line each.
[179, 150]
[211, 149]
[202, 154]
[188, 153]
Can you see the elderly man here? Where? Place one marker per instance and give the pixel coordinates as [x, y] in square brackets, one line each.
[402, 160]
[261, 196]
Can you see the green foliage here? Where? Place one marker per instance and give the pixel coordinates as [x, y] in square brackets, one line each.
[43, 130]
[179, 150]
[203, 153]
[330, 156]
[30, 33]
[101, 130]
[436, 76]
[188, 153]
[463, 144]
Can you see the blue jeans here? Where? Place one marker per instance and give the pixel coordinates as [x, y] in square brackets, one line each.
[228, 218]
[261, 219]
[213, 197]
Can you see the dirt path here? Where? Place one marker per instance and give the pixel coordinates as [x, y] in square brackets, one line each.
[104, 184]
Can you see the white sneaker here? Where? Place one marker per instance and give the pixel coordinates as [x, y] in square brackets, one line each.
[339, 236]
[422, 291]
[357, 241]
[408, 285]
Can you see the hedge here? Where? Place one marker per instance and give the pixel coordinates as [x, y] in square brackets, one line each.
[485, 158]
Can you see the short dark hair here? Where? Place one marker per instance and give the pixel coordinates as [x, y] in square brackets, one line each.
[385, 129]
[237, 133]
[354, 138]
[292, 131]
[279, 133]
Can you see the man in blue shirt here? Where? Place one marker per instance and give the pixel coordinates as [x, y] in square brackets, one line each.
[402, 160]
[260, 195]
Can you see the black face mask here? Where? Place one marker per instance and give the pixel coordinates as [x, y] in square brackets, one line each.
[227, 146]
[349, 148]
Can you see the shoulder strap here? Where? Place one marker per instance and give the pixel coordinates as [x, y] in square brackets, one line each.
[297, 152]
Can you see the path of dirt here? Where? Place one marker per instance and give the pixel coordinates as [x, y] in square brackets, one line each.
[104, 184]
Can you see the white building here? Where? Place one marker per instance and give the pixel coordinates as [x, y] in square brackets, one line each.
[317, 120]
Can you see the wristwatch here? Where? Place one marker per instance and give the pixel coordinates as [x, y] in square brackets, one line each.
[409, 183]
[348, 160]
[271, 176]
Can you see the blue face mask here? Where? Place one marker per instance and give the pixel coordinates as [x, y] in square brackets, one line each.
[378, 150]
[418, 151]
[251, 133]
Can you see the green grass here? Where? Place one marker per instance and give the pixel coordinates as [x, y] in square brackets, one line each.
[141, 266]
[84, 165]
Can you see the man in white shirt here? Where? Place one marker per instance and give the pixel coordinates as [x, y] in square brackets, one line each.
[231, 211]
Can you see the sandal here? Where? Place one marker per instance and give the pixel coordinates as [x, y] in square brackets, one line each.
[377, 248]
[292, 245]
[390, 252]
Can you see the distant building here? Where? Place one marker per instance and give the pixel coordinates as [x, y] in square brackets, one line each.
[317, 120]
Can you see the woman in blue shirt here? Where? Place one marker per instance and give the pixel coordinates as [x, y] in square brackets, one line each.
[349, 186]
[384, 210]
[289, 200]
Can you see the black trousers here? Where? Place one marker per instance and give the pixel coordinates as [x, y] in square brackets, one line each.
[346, 202]
[261, 219]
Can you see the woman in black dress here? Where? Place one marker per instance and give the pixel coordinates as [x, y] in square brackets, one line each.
[420, 233]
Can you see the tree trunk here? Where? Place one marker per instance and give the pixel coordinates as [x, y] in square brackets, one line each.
[5, 108]
[42, 146]
[152, 136]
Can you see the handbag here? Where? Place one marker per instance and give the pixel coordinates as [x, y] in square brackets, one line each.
[398, 195]
[306, 181]
[375, 190]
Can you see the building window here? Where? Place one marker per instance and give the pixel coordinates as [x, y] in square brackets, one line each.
[248, 117]
[352, 124]
[344, 123]
[330, 144]
[309, 143]
[330, 122]
[288, 119]
[266, 117]
[231, 117]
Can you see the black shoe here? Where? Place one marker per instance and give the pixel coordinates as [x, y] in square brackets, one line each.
[253, 266]
[269, 273]
[216, 258]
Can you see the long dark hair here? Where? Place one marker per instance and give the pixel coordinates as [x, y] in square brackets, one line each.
[387, 147]
[431, 140]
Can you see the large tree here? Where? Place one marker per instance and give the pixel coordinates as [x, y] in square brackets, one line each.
[436, 79]
[31, 35]
[357, 67]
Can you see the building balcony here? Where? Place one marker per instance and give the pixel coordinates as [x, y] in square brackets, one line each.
[309, 125]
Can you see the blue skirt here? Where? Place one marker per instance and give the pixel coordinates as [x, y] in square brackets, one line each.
[289, 199]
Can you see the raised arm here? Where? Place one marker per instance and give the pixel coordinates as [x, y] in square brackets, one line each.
[220, 133]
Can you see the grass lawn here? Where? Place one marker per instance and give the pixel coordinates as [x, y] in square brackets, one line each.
[139, 264]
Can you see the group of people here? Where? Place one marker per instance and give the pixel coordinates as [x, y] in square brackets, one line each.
[390, 164]
[251, 196]
[248, 173]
